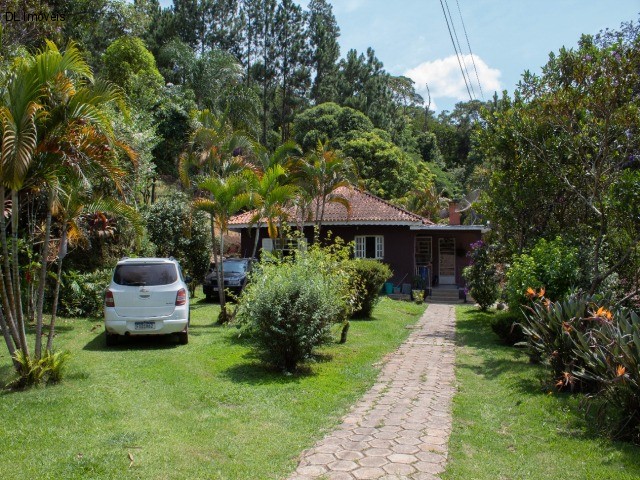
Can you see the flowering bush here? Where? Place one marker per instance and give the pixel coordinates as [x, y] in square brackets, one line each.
[592, 348]
[481, 277]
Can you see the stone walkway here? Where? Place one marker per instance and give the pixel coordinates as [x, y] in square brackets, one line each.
[400, 428]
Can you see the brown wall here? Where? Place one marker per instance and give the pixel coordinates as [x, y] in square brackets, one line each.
[398, 246]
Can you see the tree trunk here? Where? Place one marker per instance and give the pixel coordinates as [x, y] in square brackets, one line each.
[43, 274]
[56, 293]
[6, 287]
[223, 308]
[255, 243]
[17, 295]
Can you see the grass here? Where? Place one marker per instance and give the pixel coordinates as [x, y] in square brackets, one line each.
[508, 426]
[204, 410]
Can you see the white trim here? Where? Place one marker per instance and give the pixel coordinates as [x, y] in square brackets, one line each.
[412, 225]
[454, 228]
[360, 249]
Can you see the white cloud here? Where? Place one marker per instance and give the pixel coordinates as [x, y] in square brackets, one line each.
[445, 79]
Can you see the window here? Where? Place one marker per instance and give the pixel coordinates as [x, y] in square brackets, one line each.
[423, 250]
[145, 274]
[369, 246]
[285, 246]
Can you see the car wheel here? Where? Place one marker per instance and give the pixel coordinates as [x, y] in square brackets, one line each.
[183, 337]
[111, 339]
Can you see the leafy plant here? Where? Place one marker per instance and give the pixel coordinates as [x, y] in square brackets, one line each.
[551, 329]
[610, 358]
[290, 304]
[35, 371]
[369, 276]
[506, 326]
[553, 265]
[481, 275]
[82, 294]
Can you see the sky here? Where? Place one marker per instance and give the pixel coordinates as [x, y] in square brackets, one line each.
[506, 37]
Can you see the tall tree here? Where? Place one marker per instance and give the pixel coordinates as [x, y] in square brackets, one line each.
[292, 62]
[323, 36]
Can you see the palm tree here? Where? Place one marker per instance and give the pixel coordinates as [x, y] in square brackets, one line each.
[270, 194]
[75, 202]
[226, 197]
[53, 121]
[321, 172]
[215, 148]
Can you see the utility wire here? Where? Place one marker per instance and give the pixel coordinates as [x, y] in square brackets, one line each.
[455, 34]
[456, 50]
[464, 28]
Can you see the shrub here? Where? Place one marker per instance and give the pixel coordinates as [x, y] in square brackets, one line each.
[481, 275]
[369, 277]
[48, 369]
[609, 354]
[290, 304]
[180, 233]
[506, 326]
[551, 328]
[552, 264]
[82, 294]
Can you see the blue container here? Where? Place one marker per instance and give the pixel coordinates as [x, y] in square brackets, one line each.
[388, 288]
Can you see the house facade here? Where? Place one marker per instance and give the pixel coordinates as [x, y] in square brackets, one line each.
[382, 231]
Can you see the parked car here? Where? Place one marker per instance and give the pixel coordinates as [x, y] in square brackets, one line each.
[147, 296]
[236, 271]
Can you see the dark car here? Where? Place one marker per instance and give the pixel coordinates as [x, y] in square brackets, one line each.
[235, 272]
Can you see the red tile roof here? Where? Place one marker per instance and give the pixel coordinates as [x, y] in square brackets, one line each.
[366, 208]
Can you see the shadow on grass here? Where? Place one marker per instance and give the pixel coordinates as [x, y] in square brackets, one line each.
[257, 373]
[133, 342]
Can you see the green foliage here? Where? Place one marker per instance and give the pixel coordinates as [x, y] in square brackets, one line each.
[506, 326]
[370, 277]
[129, 64]
[553, 265]
[481, 275]
[82, 294]
[589, 346]
[328, 121]
[33, 371]
[560, 147]
[179, 232]
[609, 354]
[549, 328]
[290, 304]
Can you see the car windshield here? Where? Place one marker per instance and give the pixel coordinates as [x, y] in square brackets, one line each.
[235, 267]
[149, 274]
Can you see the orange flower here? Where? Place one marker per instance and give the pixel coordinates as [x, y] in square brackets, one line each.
[620, 371]
[547, 303]
[567, 327]
[541, 292]
[531, 292]
[604, 313]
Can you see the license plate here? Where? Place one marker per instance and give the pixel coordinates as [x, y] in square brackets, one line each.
[144, 325]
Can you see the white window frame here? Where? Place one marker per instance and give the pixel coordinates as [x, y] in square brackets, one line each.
[288, 245]
[360, 250]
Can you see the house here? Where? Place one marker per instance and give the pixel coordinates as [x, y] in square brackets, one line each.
[381, 230]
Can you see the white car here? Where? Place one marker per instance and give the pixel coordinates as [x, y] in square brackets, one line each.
[147, 296]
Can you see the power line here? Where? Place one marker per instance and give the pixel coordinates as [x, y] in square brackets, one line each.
[455, 34]
[464, 28]
[456, 50]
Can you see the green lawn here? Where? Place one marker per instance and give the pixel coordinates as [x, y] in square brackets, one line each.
[204, 410]
[506, 426]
